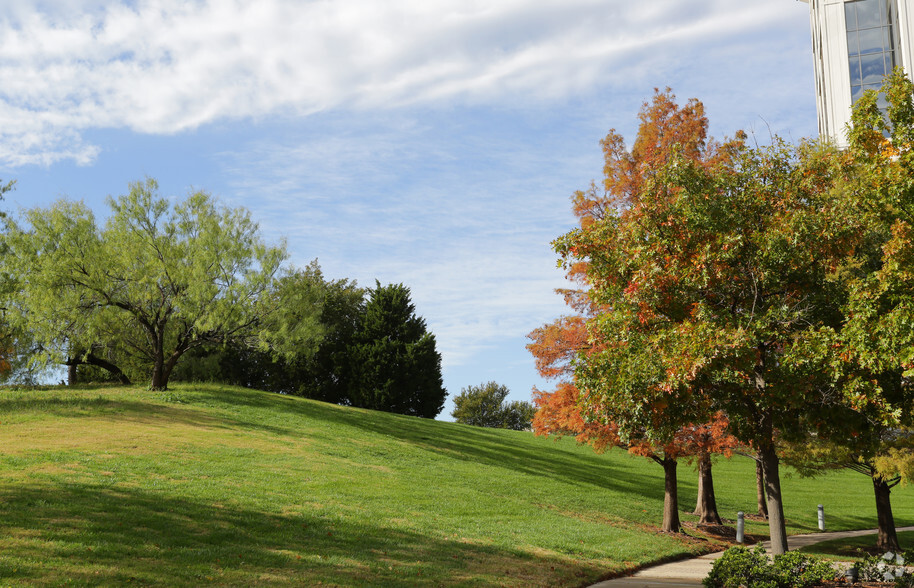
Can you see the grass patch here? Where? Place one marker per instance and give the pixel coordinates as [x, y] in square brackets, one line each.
[219, 485]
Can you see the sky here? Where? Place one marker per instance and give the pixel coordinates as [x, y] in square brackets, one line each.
[433, 143]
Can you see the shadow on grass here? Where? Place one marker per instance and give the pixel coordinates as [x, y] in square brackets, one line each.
[84, 534]
[492, 447]
[855, 548]
[534, 456]
[291, 416]
[56, 403]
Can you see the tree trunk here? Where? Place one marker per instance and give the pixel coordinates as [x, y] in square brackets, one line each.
[71, 371]
[159, 381]
[887, 539]
[169, 364]
[73, 365]
[760, 488]
[107, 365]
[671, 522]
[776, 524]
[767, 453]
[706, 507]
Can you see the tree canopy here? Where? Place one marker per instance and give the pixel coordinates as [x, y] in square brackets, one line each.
[395, 366]
[158, 279]
[485, 406]
[292, 366]
[713, 272]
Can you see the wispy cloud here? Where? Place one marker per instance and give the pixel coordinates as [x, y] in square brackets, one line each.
[165, 66]
[464, 221]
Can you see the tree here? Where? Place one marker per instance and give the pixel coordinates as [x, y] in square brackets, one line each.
[876, 343]
[292, 366]
[884, 456]
[272, 357]
[554, 347]
[700, 442]
[485, 406]
[647, 428]
[395, 366]
[714, 279]
[326, 374]
[156, 281]
[7, 337]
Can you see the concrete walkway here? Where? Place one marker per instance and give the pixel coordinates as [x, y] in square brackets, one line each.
[690, 572]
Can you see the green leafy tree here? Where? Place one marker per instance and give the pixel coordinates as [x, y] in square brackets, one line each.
[325, 375]
[155, 282]
[8, 341]
[862, 363]
[876, 342]
[886, 456]
[293, 366]
[395, 366]
[485, 406]
[715, 278]
[618, 373]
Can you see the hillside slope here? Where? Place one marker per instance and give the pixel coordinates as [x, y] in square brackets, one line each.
[227, 486]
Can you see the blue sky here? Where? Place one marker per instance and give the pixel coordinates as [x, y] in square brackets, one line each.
[429, 142]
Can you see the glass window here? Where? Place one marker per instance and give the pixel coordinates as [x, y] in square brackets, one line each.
[872, 40]
[850, 16]
[870, 43]
[869, 13]
[889, 61]
[872, 68]
[853, 45]
[856, 76]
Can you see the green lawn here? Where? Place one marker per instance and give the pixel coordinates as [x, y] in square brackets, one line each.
[217, 485]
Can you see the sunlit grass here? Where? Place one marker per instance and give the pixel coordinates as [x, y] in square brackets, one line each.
[216, 485]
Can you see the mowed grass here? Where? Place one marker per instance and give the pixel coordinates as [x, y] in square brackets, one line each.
[227, 486]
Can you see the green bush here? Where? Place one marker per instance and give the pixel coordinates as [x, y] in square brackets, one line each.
[740, 566]
[797, 569]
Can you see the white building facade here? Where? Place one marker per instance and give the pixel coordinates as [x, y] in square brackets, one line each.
[855, 43]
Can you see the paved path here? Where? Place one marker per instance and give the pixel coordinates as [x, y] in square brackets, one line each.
[690, 572]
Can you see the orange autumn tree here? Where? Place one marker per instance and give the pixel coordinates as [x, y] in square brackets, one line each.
[666, 128]
[558, 413]
[553, 347]
[715, 284]
[700, 442]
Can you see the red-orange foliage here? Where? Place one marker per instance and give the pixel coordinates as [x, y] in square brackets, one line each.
[555, 344]
[711, 437]
[558, 414]
[666, 129]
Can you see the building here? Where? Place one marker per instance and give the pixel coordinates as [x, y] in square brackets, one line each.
[855, 43]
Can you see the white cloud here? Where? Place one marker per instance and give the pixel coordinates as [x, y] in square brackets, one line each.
[165, 66]
[464, 222]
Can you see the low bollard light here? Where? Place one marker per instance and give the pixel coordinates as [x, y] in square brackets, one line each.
[740, 526]
[821, 518]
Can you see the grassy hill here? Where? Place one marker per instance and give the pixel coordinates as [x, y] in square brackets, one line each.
[227, 486]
